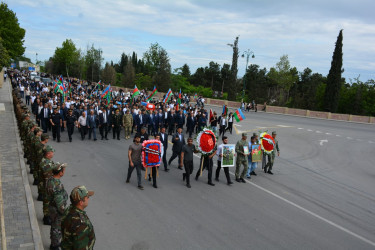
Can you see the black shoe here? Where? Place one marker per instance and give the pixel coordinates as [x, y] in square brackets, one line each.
[102, 138]
[127, 181]
[54, 247]
[70, 139]
[54, 138]
[106, 138]
[265, 170]
[36, 182]
[155, 186]
[113, 138]
[40, 197]
[140, 187]
[188, 185]
[238, 179]
[169, 163]
[253, 173]
[216, 179]
[58, 140]
[248, 177]
[210, 183]
[196, 177]
[31, 171]
[166, 170]
[269, 172]
[118, 138]
[183, 176]
[242, 180]
[180, 168]
[95, 139]
[47, 220]
[230, 183]
[149, 177]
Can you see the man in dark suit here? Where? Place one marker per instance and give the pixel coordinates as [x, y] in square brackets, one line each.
[178, 141]
[44, 117]
[141, 120]
[180, 119]
[171, 122]
[190, 123]
[103, 124]
[92, 119]
[164, 140]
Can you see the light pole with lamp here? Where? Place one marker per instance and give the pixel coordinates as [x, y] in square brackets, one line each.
[247, 53]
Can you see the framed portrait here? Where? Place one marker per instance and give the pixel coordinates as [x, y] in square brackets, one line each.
[228, 159]
[256, 153]
[246, 150]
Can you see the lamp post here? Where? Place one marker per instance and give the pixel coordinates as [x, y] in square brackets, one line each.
[246, 53]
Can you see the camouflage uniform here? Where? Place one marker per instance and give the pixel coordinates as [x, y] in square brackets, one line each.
[57, 198]
[45, 172]
[271, 157]
[127, 120]
[241, 159]
[77, 230]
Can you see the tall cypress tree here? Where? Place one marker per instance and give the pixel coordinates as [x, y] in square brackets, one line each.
[332, 92]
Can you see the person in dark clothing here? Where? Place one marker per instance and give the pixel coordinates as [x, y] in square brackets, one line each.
[56, 123]
[187, 160]
[70, 123]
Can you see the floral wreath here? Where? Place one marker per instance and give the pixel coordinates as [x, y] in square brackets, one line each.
[151, 153]
[206, 141]
[267, 142]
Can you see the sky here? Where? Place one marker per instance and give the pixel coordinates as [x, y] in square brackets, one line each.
[197, 32]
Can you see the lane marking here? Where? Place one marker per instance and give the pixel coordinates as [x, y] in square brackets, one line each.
[237, 125]
[321, 142]
[3, 235]
[318, 132]
[371, 142]
[300, 128]
[359, 139]
[328, 134]
[349, 138]
[338, 135]
[284, 126]
[309, 130]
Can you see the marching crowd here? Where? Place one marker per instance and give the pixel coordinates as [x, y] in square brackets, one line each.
[85, 110]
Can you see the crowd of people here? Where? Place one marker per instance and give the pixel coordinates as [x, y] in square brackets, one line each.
[85, 110]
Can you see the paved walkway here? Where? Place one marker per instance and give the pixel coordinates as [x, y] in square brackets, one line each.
[19, 227]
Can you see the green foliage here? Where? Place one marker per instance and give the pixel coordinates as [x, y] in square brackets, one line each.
[143, 81]
[109, 74]
[11, 33]
[66, 59]
[334, 80]
[4, 56]
[93, 61]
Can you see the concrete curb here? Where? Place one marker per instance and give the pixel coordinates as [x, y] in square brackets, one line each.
[38, 244]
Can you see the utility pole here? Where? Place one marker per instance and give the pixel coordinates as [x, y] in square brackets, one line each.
[246, 53]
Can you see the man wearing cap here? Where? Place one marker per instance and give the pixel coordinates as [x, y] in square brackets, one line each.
[241, 158]
[127, 121]
[76, 228]
[58, 198]
[271, 157]
[39, 154]
[46, 167]
[116, 124]
[56, 122]
[134, 155]
[71, 121]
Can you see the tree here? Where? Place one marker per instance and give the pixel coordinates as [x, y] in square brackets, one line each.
[213, 75]
[234, 69]
[157, 66]
[4, 56]
[129, 76]
[66, 59]
[93, 61]
[109, 74]
[334, 81]
[11, 33]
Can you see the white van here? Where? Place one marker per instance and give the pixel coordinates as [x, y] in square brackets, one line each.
[33, 75]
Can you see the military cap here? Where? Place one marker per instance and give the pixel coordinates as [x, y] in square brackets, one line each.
[58, 166]
[37, 129]
[144, 128]
[24, 107]
[244, 134]
[25, 115]
[79, 193]
[48, 148]
[44, 137]
[273, 132]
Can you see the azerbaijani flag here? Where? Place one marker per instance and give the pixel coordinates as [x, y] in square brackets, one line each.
[152, 94]
[105, 92]
[179, 97]
[225, 110]
[167, 96]
[135, 91]
[99, 84]
[211, 116]
[239, 116]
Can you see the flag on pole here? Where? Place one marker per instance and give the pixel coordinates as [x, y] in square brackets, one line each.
[98, 85]
[225, 110]
[211, 116]
[239, 116]
[179, 97]
[167, 96]
[135, 91]
[149, 98]
[105, 92]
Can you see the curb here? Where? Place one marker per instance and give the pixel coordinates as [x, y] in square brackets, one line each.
[38, 244]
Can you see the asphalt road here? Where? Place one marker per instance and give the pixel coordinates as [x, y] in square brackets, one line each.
[321, 195]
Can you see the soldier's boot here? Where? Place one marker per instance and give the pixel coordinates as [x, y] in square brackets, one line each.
[40, 197]
[36, 182]
[46, 220]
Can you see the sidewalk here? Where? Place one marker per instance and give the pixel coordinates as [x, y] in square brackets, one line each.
[18, 226]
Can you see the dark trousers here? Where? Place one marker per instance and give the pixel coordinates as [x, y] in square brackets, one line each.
[137, 167]
[70, 128]
[174, 155]
[150, 130]
[222, 130]
[189, 167]
[56, 132]
[190, 131]
[208, 165]
[171, 129]
[154, 171]
[92, 131]
[116, 131]
[226, 171]
[103, 129]
[27, 100]
[83, 131]
[230, 127]
[44, 122]
[165, 159]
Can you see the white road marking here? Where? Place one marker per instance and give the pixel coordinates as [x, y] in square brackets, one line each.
[284, 126]
[309, 212]
[371, 142]
[338, 135]
[261, 127]
[349, 138]
[309, 130]
[359, 139]
[237, 125]
[300, 128]
[318, 132]
[328, 134]
[322, 141]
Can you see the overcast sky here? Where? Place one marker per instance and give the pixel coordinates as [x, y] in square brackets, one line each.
[197, 32]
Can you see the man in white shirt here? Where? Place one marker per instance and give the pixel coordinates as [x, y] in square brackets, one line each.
[219, 154]
[82, 124]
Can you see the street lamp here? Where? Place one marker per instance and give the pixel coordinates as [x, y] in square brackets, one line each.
[247, 53]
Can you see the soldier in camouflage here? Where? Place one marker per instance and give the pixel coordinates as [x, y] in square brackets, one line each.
[58, 198]
[77, 230]
[46, 172]
[39, 147]
[33, 141]
[127, 121]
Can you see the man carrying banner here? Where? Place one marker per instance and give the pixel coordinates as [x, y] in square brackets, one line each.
[219, 153]
[271, 157]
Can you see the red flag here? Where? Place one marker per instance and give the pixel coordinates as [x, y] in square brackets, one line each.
[211, 115]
